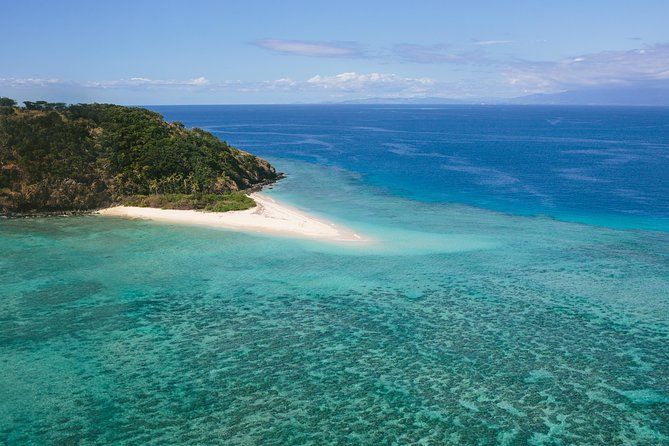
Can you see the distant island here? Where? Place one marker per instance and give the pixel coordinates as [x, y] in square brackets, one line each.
[57, 159]
[649, 93]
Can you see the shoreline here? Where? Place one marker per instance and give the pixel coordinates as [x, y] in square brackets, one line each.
[268, 217]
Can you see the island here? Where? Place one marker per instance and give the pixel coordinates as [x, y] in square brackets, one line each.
[112, 160]
[56, 159]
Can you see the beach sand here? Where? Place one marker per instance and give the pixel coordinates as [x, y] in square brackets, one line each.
[268, 217]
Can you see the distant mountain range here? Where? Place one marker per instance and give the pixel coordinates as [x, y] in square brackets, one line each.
[651, 96]
[647, 95]
[424, 101]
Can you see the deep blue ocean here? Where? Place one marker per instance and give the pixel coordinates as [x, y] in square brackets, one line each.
[600, 165]
[518, 292]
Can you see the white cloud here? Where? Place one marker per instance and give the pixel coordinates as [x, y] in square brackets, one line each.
[28, 82]
[313, 49]
[283, 83]
[356, 82]
[606, 68]
[404, 52]
[199, 81]
[146, 82]
[492, 42]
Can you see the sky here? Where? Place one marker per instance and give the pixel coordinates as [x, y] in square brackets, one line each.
[252, 51]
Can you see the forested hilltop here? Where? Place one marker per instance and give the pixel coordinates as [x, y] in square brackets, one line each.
[59, 158]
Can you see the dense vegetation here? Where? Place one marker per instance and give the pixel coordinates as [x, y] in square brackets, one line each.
[231, 201]
[59, 158]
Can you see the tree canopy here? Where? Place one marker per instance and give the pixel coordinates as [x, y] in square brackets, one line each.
[7, 102]
[44, 105]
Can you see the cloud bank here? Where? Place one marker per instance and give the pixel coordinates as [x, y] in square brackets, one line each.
[334, 85]
[606, 68]
[373, 82]
[632, 69]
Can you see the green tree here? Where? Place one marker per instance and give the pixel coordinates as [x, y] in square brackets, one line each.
[44, 105]
[7, 102]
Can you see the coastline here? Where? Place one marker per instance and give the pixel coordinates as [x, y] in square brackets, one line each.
[268, 217]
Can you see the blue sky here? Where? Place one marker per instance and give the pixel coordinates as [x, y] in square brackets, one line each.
[198, 52]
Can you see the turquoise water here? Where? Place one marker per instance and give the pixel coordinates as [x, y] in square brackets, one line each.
[460, 326]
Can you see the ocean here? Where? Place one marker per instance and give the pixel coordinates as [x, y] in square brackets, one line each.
[519, 292]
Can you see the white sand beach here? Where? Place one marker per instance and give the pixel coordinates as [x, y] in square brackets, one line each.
[268, 217]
